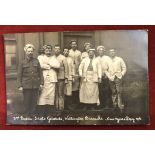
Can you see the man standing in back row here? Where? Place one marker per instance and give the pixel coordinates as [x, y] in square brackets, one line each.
[68, 86]
[62, 78]
[76, 57]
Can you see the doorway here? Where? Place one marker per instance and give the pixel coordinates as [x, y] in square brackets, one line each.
[80, 37]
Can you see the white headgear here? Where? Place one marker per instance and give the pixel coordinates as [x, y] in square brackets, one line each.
[98, 47]
[28, 46]
[92, 49]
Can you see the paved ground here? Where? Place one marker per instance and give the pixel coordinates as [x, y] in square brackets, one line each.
[134, 97]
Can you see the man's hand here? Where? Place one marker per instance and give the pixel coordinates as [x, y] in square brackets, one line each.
[41, 86]
[122, 74]
[66, 80]
[20, 88]
[110, 78]
[82, 78]
[73, 79]
[99, 80]
[56, 69]
[98, 103]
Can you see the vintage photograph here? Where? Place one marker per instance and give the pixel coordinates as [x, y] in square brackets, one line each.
[77, 78]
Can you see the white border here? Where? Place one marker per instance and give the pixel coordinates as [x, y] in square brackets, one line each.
[77, 12]
[81, 12]
[77, 142]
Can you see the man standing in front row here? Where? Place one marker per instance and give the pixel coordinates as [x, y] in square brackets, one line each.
[115, 71]
[90, 72]
[50, 66]
[104, 88]
[29, 79]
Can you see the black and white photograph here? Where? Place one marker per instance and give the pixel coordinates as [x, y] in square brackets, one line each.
[77, 77]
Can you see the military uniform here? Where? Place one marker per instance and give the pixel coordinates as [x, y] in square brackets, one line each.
[30, 77]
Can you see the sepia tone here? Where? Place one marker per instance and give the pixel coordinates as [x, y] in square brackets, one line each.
[131, 45]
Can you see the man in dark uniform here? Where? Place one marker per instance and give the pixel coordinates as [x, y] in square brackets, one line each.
[30, 79]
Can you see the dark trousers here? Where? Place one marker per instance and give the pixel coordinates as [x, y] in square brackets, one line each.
[68, 102]
[72, 102]
[116, 88]
[59, 94]
[75, 97]
[45, 110]
[104, 93]
[85, 106]
[30, 100]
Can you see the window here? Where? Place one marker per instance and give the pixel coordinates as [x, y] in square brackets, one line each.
[10, 52]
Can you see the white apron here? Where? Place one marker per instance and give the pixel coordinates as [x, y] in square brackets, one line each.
[89, 92]
[47, 96]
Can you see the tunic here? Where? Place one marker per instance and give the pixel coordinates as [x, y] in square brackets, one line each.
[30, 77]
[29, 74]
[104, 87]
[115, 70]
[62, 75]
[103, 61]
[115, 67]
[71, 74]
[76, 57]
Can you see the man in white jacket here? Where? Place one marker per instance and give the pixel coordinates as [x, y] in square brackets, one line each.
[115, 71]
[90, 72]
[104, 87]
[50, 66]
[62, 76]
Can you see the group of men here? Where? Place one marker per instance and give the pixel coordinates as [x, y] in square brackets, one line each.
[71, 79]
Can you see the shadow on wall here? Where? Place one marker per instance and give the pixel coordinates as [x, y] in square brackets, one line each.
[135, 95]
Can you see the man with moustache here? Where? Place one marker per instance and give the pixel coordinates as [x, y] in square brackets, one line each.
[50, 66]
[90, 72]
[30, 79]
[115, 71]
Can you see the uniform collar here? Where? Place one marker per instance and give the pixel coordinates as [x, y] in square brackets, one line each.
[29, 59]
